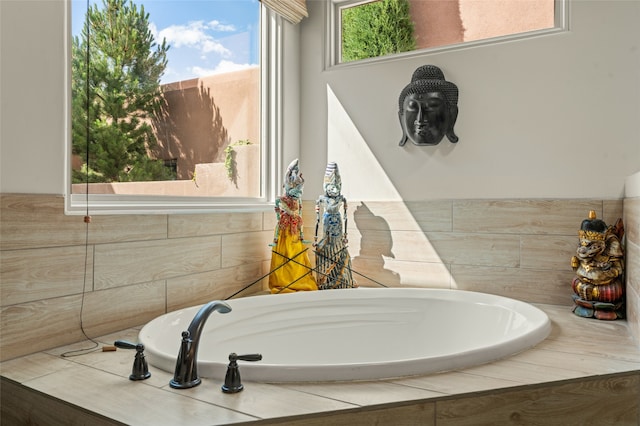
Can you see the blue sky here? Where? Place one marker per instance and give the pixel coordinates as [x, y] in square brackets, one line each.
[206, 36]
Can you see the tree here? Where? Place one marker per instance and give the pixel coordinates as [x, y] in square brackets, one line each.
[376, 29]
[117, 57]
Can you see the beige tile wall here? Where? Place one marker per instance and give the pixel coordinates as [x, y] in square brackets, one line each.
[632, 233]
[516, 248]
[136, 267]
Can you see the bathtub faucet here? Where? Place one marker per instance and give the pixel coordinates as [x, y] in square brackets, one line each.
[186, 373]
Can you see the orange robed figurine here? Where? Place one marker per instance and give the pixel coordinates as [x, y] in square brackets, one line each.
[291, 268]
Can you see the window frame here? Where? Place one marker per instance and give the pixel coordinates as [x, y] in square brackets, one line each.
[271, 93]
[333, 39]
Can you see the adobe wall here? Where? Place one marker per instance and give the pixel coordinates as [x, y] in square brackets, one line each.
[509, 17]
[211, 179]
[445, 22]
[436, 22]
[204, 115]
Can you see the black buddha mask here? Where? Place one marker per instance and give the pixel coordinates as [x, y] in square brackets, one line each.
[428, 107]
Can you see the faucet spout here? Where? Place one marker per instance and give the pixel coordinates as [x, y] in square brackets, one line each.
[186, 372]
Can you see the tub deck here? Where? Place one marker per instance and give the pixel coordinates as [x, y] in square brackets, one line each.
[585, 372]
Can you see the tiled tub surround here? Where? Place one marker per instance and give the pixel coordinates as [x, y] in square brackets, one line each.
[586, 373]
[632, 232]
[139, 267]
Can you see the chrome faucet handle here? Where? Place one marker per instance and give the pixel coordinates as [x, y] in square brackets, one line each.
[232, 382]
[140, 370]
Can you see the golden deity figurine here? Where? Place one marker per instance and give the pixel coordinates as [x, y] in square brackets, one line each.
[599, 267]
[291, 268]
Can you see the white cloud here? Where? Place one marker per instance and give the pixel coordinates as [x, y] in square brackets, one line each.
[193, 35]
[154, 31]
[217, 26]
[222, 67]
[198, 45]
[209, 46]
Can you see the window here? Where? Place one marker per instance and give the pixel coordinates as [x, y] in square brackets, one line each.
[201, 140]
[172, 165]
[366, 30]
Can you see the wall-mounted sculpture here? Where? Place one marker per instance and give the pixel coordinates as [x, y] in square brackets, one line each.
[428, 107]
[599, 267]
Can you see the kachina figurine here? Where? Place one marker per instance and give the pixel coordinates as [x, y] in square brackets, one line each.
[428, 107]
[291, 268]
[599, 267]
[333, 263]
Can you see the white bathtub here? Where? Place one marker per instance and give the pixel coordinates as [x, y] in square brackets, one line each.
[352, 334]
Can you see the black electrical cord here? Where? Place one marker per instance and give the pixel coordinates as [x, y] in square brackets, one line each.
[87, 217]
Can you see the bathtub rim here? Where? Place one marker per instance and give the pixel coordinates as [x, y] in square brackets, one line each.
[280, 373]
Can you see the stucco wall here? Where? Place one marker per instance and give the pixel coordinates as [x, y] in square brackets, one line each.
[507, 17]
[436, 22]
[445, 22]
[204, 115]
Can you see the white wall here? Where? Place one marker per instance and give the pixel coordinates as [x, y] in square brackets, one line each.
[550, 117]
[555, 117]
[32, 91]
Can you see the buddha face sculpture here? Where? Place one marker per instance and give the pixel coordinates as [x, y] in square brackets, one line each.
[428, 108]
